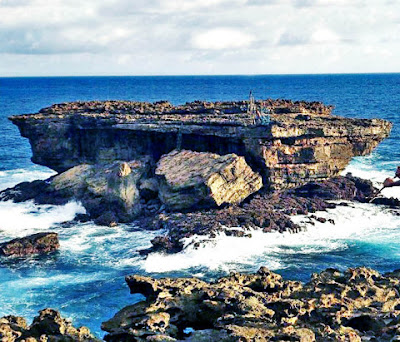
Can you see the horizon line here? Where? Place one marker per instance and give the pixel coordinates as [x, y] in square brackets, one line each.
[208, 75]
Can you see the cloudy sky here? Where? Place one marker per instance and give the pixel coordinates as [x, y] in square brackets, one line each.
[168, 37]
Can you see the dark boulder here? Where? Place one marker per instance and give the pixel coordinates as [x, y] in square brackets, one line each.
[40, 243]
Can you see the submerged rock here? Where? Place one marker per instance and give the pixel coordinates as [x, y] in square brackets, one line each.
[358, 304]
[195, 179]
[40, 243]
[48, 326]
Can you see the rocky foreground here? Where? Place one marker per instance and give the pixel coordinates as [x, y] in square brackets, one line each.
[359, 304]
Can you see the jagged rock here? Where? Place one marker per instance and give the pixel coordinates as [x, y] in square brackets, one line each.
[107, 219]
[302, 143]
[23, 191]
[189, 179]
[40, 243]
[48, 326]
[358, 304]
[109, 192]
[100, 187]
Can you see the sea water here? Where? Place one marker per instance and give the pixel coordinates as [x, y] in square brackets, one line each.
[85, 279]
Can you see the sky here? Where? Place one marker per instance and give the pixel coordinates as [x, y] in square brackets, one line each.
[198, 37]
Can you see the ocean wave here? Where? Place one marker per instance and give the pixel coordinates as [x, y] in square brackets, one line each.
[372, 168]
[356, 222]
[10, 178]
[20, 219]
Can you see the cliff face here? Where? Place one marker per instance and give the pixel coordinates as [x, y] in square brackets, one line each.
[302, 143]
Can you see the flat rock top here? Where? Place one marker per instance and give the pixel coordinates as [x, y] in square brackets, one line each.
[225, 119]
[229, 112]
[197, 107]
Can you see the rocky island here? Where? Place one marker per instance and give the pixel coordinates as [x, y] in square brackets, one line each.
[194, 168]
[198, 167]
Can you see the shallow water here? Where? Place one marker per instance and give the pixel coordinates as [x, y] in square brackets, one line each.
[85, 279]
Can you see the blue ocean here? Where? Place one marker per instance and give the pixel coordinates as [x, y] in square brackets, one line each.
[85, 279]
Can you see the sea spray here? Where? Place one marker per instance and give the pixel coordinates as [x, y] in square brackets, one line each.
[20, 219]
[354, 223]
[10, 178]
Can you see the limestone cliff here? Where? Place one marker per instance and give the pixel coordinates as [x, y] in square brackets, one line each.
[303, 142]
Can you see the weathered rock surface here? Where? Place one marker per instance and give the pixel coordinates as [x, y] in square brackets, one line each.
[40, 243]
[104, 189]
[266, 211]
[48, 326]
[194, 179]
[302, 143]
[109, 192]
[356, 305]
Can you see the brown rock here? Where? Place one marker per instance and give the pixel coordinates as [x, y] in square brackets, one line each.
[302, 143]
[356, 305]
[48, 326]
[40, 243]
[191, 179]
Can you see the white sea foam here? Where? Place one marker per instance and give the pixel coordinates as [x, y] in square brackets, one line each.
[367, 168]
[19, 219]
[10, 178]
[357, 222]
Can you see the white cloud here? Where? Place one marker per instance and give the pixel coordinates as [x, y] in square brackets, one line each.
[198, 36]
[221, 38]
[324, 35]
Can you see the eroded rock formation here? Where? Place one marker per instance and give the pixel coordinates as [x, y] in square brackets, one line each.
[111, 193]
[40, 243]
[194, 179]
[131, 160]
[48, 326]
[302, 143]
[355, 305]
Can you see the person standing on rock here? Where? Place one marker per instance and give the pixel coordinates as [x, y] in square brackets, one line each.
[389, 182]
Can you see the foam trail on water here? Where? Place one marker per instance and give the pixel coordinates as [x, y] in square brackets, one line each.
[357, 222]
[10, 178]
[19, 219]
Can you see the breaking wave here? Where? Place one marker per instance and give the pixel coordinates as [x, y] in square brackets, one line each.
[354, 224]
[10, 178]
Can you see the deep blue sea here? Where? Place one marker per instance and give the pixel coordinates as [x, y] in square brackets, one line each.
[85, 279]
